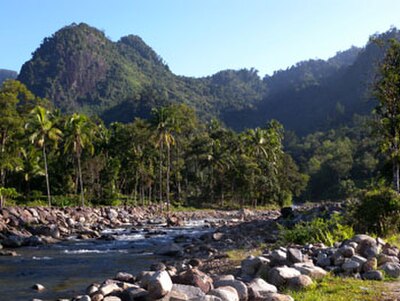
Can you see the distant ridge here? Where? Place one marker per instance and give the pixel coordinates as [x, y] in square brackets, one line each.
[80, 69]
[7, 74]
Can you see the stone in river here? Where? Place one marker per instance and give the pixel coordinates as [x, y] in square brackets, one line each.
[38, 287]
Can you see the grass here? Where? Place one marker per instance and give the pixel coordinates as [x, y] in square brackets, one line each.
[342, 289]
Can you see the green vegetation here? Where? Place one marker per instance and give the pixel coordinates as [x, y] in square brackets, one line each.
[169, 158]
[342, 289]
[326, 231]
[378, 211]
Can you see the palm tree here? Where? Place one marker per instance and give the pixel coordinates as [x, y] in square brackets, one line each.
[79, 132]
[44, 130]
[163, 123]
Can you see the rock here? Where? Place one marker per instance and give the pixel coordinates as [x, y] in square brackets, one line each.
[373, 275]
[225, 293]
[239, 286]
[159, 285]
[279, 276]
[277, 297]
[196, 278]
[217, 236]
[195, 263]
[294, 255]
[107, 289]
[38, 287]
[383, 258]
[190, 291]
[391, 251]
[370, 265]
[159, 266]
[124, 277]
[1, 246]
[136, 293]
[87, 298]
[250, 265]
[367, 246]
[8, 253]
[13, 241]
[208, 298]
[111, 298]
[351, 266]
[361, 260]
[175, 296]
[299, 282]
[93, 288]
[278, 257]
[310, 270]
[144, 277]
[347, 251]
[170, 250]
[391, 269]
[258, 289]
[323, 260]
[51, 231]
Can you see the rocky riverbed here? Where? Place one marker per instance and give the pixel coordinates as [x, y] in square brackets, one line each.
[147, 256]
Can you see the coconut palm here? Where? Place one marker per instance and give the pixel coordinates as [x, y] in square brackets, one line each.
[164, 136]
[44, 130]
[79, 133]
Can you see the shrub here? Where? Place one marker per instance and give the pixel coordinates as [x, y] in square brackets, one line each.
[378, 211]
[327, 231]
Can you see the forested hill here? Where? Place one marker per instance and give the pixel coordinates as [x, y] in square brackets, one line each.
[7, 74]
[80, 69]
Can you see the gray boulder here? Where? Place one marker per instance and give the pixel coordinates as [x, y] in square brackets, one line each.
[294, 255]
[259, 289]
[159, 285]
[190, 291]
[391, 269]
[239, 286]
[225, 293]
[299, 282]
[279, 276]
[310, 270]
[373, 275]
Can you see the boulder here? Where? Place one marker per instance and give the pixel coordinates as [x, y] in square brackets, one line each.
[351, 266]
[136, 293]
[279, 276]
[347, 251]
[310, 270]
[370, 265]
[93, 288]
[323, 260]
[159, 285]
[239, 286]
[250, 265]
[225, 293]
[110, 298]
[109, 288]
[277, 297]
[294, 255]
[299, 282]
[373, 275]
[278, 257]
[383, 258]
[190, 291]
[391, 269]
[38, 287]
[196, 278]
[124, 277]
[258, 289]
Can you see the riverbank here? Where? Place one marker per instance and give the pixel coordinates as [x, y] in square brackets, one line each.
[32, 226]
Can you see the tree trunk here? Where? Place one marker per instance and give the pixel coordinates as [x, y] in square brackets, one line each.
[396, 175]
[78, 157]
[168, 172]
[47, 175]
[160, 176]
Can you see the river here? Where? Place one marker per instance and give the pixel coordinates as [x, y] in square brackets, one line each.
[67, 268]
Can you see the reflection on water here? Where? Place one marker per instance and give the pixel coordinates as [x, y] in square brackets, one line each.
[66, 269]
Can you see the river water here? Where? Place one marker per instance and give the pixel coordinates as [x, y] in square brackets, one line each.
[67, 268]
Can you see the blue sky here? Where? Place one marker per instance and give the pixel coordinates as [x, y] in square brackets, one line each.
[201, 37]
